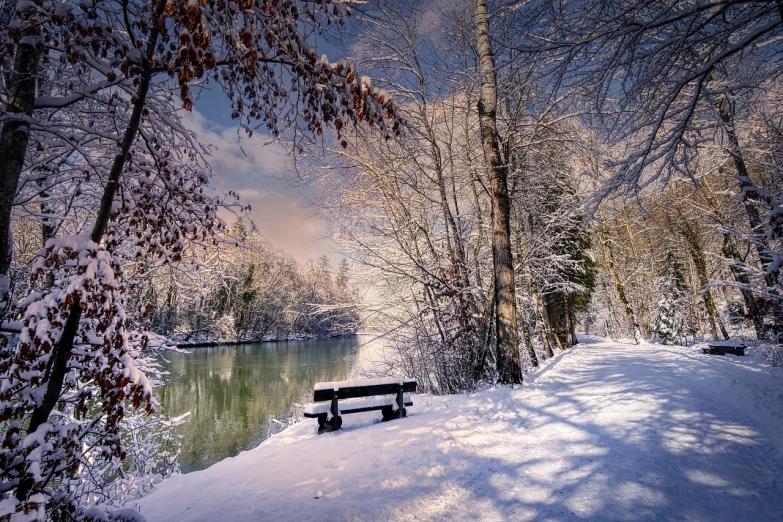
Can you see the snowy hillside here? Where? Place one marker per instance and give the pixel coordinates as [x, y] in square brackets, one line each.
[605, 431]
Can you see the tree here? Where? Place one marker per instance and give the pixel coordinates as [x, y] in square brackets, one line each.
[76, 333]
[209, 40]
[650, 67]
[20, 87]
[666, 79]
[342, 279]
[413, 213]
[506, 332]
[668, 322]
[404, 209]
[610, 266]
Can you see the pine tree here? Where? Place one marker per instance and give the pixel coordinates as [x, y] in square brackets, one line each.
[341, 282]
[669, 321]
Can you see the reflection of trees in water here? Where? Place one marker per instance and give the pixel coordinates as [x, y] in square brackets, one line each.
[234, 392]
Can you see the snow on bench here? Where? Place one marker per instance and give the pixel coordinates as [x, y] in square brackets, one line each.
[351, 383]
[724, 347]
[314, 409]
[359, 395]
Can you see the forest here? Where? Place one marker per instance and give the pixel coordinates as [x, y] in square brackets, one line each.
[499, 175]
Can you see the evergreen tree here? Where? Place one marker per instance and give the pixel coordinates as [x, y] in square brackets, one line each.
[341, 281]
[669, 322]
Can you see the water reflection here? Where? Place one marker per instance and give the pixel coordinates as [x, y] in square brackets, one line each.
[234, 392]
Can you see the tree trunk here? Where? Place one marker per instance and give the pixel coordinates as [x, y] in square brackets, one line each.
[62, 350]
[641, 299]
[749, 198]
[546, 330]
[509, 368]
[735, 266]
[14, 137]
[736, 263]
[527, 285]
[531, 351]
[697, 254]
[572, 323]
[568, 328]
[476, 198]
[611, 329]
[486, 345]
[557, 317]
[609, 262]
[47, 232]
[48, 227]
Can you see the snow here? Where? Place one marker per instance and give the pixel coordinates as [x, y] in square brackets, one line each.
[314, 408]
[604, 431]
[336, 385]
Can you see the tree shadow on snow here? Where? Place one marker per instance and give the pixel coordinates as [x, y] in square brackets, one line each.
[620, 438]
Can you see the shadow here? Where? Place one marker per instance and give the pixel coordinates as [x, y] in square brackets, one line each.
[606, 433]
[631, 436]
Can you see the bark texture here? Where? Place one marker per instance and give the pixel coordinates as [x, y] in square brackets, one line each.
[618, 284]
[507, 336]
[740, 276]
[697, 254]
[14, 138]
[62, 350]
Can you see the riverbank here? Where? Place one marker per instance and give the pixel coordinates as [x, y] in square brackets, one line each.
[605, 431]
[239, 395]
[290, 338]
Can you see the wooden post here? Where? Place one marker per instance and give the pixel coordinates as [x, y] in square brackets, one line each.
[400, 401]
[337, 421]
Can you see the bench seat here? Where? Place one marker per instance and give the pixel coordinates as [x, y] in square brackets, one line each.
[314, 409]
[331, 400]
[724, 347]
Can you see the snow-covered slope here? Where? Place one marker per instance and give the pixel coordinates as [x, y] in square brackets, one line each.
[605, 431]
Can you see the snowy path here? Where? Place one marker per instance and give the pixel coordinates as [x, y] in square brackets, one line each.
[606, 431]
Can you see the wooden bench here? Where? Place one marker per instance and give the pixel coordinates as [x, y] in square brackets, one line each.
[724, 347]
[358, 396]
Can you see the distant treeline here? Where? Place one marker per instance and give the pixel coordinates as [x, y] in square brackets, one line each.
[251, 292]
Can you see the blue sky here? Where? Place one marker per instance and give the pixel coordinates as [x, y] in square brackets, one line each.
[259, 171]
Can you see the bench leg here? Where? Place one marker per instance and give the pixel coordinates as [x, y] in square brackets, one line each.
[333, 424]
[322, 427]
[401, 403]
[336, 421]
[388, 413]
[326, 425]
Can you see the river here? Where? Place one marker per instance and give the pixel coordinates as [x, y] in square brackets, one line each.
[235, 393]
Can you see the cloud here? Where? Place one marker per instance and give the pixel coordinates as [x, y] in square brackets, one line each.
[258, 171]
[251, 193]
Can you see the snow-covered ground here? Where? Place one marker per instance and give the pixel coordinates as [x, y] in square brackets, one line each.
[605, 431]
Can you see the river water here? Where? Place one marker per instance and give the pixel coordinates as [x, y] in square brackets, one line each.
[234, 393]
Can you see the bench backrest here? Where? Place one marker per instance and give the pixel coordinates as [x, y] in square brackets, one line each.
[359, 390]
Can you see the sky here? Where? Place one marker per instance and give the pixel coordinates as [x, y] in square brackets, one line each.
[260, 172]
